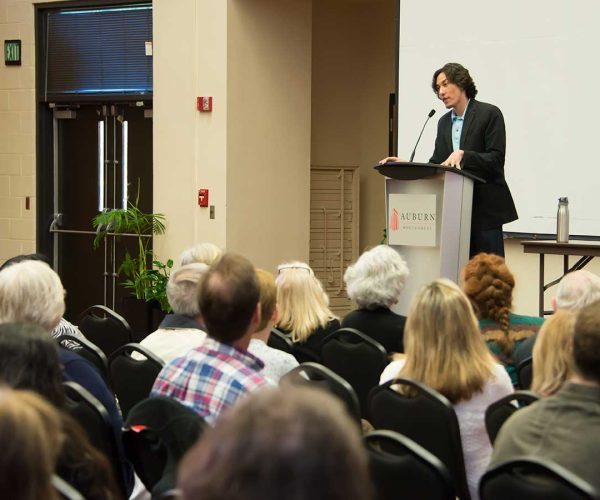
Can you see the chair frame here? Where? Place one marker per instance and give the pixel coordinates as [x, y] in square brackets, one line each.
[343, 334]
[544, 466]
[76, 393]
[460, 482]
[523, 365]
[526, 397]
[97, 311]
[284, 339]
[101, 364]
[126, 350]
[304, 373]
[427, 458]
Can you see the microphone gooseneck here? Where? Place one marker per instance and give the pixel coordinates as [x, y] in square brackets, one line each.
[431, 113]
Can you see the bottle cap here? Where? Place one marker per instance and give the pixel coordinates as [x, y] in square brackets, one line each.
[563, 199]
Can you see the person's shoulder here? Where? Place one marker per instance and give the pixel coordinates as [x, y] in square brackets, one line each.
[485, 107]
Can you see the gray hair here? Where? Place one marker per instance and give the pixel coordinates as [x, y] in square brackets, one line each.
[377, 278]
[31, 292]
[577, 289]
[182, 289]
[204, 253]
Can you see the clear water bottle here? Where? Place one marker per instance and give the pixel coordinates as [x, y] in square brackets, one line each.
[562, 221]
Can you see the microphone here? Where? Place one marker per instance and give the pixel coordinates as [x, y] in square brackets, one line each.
[431, 113]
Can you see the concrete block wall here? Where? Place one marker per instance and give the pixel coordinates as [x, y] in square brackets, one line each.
[17, 133]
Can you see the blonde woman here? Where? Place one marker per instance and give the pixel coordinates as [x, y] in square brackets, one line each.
[445, 351]
[553, 353]
[304, 312]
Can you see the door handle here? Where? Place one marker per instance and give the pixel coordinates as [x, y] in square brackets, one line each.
[101, 197]
[124, 164]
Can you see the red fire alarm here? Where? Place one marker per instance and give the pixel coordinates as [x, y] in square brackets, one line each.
[203, 197]
[204, 103]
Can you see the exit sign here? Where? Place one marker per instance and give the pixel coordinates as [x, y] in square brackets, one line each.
[12, 52]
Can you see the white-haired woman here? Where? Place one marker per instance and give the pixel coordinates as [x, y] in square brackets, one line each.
[202, 253]
[375, 282]
[304, 312]
[182, 330]
[445, 351]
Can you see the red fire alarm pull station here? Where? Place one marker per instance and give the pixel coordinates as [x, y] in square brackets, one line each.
[203, 197]
[204, 103]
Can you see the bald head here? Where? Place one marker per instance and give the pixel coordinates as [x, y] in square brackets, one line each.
[576, 290]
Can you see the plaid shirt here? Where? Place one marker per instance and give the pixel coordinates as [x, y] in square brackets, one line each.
[210, 378]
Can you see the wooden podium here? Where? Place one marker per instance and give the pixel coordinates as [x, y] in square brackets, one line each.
[447, 251]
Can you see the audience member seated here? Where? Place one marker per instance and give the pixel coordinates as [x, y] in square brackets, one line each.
[575, 290]
[445, 351]
[31, 437]
[277, 363]
[298, 444]
[565, 427]
[553, 353]
[304, 312]
[182, 330]
[29, 360]
[64, 327]
[489, 284]
[213, 376]
[203, 253]
[375, 282]
[31, 292]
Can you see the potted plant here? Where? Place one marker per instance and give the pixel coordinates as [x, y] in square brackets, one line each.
[145, 275]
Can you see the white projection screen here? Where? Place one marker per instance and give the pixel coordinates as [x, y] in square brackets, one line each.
[537, 60]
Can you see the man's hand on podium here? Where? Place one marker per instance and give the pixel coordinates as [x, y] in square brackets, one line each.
[389, 159]
[454, 159]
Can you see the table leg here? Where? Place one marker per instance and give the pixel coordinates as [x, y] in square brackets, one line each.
[541, 286]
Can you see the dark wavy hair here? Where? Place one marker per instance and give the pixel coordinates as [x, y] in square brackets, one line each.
[458, 75]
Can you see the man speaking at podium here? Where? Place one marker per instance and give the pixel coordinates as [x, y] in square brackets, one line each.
[472, 137]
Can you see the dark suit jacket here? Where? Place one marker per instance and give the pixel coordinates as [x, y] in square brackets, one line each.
[483, 139]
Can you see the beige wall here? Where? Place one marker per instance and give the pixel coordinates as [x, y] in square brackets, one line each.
[17, 133]
[190, 148]
[268, 129]
[254, 150]
[353, 75]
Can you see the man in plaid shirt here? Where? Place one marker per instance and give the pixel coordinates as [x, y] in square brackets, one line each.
[212, 377]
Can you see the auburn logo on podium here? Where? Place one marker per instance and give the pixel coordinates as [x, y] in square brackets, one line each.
[412, 219]
[394, 220]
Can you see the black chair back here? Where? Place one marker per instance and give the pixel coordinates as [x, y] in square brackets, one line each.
[105, 328]
[95, 421]
[426, 417]
[280, 341]
[87, 350]
[305, 355]
[525, 373]
[530, 478]
[132, 379]
[159, 430]
[400, 468]
[316, 375]
[499, 412]
[357, 358]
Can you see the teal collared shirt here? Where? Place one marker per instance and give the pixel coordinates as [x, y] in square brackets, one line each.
[457, 125]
